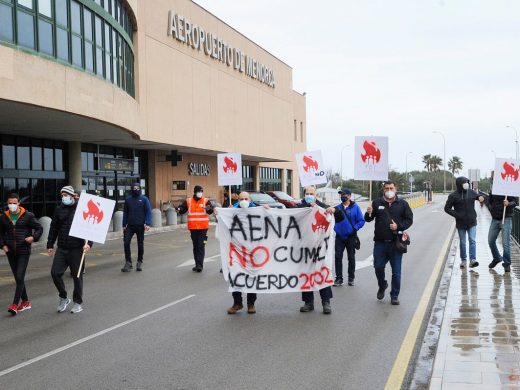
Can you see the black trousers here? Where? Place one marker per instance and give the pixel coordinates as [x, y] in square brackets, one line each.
[130, 230]
[18, 264]
[325, 294]
[340, 246]
[63, 259]
[199, 239]
[237, 298]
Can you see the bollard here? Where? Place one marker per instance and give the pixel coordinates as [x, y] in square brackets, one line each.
[118, 221]
[156, 218]
[46, 224]
[171, 216]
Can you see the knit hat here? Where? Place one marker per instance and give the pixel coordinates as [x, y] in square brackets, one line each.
[68, 190]
[197, 188]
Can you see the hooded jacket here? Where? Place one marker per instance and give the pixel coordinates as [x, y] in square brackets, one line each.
[352, 223]
[14, 235]
[461, 205]
[495, 204]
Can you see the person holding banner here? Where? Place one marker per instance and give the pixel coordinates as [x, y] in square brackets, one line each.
[19, 228]
[392, 215]
[346, 236]
[310, 200]
[198, 208]
[461, 206]
[137, 217]
[501, 209]
[69, 251]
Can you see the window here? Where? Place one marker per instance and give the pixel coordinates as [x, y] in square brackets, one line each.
[45, 40]
[8, 155]
[108, 57]
[6, 23]
[295, 130]
[36, 157]
[62, 42]
[301, 131]
[25, 29]
[61, 13]
[26, 3]
[23, 154]
[89, 38]
[45, 8]
[99, 46]
[289, 182]
[48, 159]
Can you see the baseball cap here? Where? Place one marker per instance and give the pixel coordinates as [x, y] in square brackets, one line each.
[345, 191]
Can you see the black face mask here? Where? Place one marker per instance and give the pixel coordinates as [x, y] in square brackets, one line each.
[136, 193]
[344, 199]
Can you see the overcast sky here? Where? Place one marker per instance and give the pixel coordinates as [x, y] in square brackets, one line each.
[398, 68]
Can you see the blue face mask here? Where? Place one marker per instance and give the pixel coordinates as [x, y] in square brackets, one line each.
[309, 198]
[67, 201]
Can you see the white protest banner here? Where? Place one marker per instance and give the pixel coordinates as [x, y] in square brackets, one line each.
[371, 158]
[229, 169]
[92, 218]
[506, 180]
[311, 168]
[276, 250]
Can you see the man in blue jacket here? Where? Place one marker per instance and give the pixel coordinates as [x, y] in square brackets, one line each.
[137, 216]
[346, 234]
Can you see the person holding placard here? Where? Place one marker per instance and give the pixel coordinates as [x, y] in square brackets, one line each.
[69, 251]
[496, 205]
[19, 228]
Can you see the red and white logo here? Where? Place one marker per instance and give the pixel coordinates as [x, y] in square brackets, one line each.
[372, 154]
[94, 214]
[229, 165]
[309, 164]
[510, 173]
[321, 224]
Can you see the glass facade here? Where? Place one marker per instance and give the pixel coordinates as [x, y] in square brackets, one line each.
[270, 179]
[289, 182]
[95, 36]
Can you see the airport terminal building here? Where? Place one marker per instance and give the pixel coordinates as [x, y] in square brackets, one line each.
[103, 93]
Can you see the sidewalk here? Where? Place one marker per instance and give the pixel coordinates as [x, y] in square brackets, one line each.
[479, 344]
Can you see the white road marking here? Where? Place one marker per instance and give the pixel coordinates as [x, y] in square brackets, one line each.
[93, 336]
[191, 262]
[369, 261]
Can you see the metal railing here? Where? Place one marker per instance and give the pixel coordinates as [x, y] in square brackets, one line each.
[515, 233]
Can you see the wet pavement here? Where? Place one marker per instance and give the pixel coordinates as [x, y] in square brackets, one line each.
[479, 344]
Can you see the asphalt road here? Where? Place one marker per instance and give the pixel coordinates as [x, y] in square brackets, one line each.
[190, 342]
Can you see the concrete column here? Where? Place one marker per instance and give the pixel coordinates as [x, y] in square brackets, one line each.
[257, 178]
[284, 179]
[75, 165]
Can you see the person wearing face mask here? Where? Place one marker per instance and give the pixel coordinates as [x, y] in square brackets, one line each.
[391, 215]
[461, 206]
[346, 233]
[19, 228]
[69, 251]
[198, 208]
[310, 200]
[137, 217]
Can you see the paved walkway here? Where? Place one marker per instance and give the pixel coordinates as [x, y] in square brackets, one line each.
[479, 345]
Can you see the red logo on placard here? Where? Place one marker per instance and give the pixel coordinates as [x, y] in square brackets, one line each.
[229, 165]
[309, 164]
[372, 153]
[94, 214]
[321, 223]
[510, 173]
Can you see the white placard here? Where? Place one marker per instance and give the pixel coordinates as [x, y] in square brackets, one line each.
[229, 169]
[371, 158]
[506, 179]
[274, 251]
[311, 168]
[92, 218]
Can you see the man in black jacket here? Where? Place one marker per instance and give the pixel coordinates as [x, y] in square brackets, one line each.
[496, 205]
[18, 230]
[461, 206]
[392, 215]
[69, 252]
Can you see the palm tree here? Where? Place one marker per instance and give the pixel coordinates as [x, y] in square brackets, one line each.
[454, 165]
[435, 164]
[427, 162]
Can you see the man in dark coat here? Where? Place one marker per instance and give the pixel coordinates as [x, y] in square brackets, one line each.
[19, 228]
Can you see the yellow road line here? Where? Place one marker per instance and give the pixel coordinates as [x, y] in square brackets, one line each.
[396, 378]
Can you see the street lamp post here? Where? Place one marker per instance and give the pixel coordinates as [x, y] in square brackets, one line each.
[444, 160]
[406, 175]
[341, 168]
[516, 139]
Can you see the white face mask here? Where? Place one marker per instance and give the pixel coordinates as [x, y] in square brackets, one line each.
[390, 194]
[465, 186]
[198, 194]
[244, 204]
[12, 207]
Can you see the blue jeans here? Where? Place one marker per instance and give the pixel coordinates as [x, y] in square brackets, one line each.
[494, 229]
[472, 233]
[384, 251]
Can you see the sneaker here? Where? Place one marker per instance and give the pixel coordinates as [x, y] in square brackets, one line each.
[127, 267]
[463, 264]
[338, 282]
[199, 269]
[394, 301]
[76, 308]
[233, 309]
[139, 266]
[381, 291]
[307, 307]
[494, 263]
[25, 305]
[473, 263]
[507, 268]
[13, 309]
[251, 309]
[62, 306]
[326, 307]
[350, 282]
